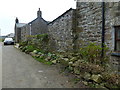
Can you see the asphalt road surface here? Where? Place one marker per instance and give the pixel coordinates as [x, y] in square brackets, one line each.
[20, 70]
[0, 66]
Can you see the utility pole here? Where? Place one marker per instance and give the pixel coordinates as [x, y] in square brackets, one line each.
[103, 28]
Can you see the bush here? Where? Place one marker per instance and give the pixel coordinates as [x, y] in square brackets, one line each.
[30, 48]
[42, 36]
[0, 40]
[23, 49]
[92, 53]
[88, 67]
[42, 59]
[39, 41]
[111, 78]
[23, 44]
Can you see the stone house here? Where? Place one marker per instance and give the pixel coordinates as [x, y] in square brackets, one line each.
[38, 25]
[99, 22]
[17, 28]
[35, 27]
[90, 22]
[25, 32]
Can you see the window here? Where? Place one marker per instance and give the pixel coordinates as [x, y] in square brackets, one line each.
[117, 38]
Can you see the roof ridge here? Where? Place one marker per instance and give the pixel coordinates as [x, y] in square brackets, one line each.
[61, 15]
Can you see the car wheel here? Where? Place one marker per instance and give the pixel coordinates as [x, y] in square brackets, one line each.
[12, 43]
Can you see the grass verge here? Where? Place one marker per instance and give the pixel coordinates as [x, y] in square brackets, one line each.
[42, 60]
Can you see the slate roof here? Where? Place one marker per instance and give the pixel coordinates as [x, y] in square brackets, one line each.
[60, 16]
[36, 19]
[19, 25]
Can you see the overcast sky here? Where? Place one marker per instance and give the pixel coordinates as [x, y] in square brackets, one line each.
[26, 11]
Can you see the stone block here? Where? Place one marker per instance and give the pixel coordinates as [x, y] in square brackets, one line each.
[79, 29]
[96, 78]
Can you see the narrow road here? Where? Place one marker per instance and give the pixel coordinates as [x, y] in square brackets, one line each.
[20, 70]
[0, 65]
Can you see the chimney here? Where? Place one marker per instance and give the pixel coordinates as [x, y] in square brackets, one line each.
[16, 20]
[39, 13]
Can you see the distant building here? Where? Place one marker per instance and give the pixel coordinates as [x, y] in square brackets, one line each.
[35, 27]
[38, 25]
[11, 35]
[18, 27]
[25, 32]
[2, 37]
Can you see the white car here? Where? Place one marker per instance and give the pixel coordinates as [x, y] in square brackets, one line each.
[8, 41]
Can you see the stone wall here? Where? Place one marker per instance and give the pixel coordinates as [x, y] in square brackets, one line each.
[61, 32]
[17, 34]
[89, 22]
[25, 32]
[18, 27]
[38, 26]
[89, 25]
[112, 18]
[39, 41]
[115, 63]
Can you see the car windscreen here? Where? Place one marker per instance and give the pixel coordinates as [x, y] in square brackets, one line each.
[8, 39]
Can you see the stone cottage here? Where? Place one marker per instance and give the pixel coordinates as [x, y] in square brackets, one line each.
[38, 25]
[35, 27]
[99, 22]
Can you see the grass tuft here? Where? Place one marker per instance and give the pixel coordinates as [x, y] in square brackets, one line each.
[43, 61]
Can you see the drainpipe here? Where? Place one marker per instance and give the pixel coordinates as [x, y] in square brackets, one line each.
[103, 28]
